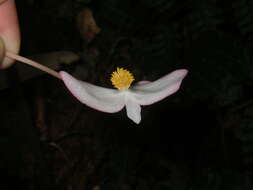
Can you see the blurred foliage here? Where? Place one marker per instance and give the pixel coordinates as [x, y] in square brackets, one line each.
[242, 14]
[83, 1]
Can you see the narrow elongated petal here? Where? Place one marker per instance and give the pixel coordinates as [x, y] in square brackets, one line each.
[133, 110]
[99, 98]
[151, 92]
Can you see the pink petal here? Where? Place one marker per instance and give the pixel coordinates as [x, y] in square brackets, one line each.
[142, 82]
[99, 98]
[152, 92]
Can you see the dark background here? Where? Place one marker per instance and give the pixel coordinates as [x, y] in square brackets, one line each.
[200, 138]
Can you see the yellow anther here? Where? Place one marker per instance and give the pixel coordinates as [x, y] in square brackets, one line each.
[122, 79]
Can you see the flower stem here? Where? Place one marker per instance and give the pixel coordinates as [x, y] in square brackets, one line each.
[33, 64]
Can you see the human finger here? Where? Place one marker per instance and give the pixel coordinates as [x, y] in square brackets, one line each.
[9, 30]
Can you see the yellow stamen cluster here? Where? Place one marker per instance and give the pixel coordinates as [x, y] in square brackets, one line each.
[122, 79]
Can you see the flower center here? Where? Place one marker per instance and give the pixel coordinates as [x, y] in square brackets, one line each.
[122, 79]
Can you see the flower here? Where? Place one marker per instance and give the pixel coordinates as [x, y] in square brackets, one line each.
[113, 100]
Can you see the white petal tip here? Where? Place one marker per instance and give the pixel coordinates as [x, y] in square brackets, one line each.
[181, 72]
[136, 121]
[184, 71]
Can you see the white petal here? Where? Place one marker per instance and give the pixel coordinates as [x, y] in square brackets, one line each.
[149, 93]
[133, 110]
[99, 98]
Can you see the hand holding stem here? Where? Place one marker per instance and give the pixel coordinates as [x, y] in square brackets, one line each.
[10, 39]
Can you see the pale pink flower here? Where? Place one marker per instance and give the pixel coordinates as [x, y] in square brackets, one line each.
[133, 97]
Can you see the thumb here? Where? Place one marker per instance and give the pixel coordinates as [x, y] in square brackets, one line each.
[9, 30]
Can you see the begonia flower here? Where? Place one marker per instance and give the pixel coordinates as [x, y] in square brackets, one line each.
[132, 97]
[112, 100]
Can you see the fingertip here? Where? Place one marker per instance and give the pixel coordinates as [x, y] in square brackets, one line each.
[9, 31]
